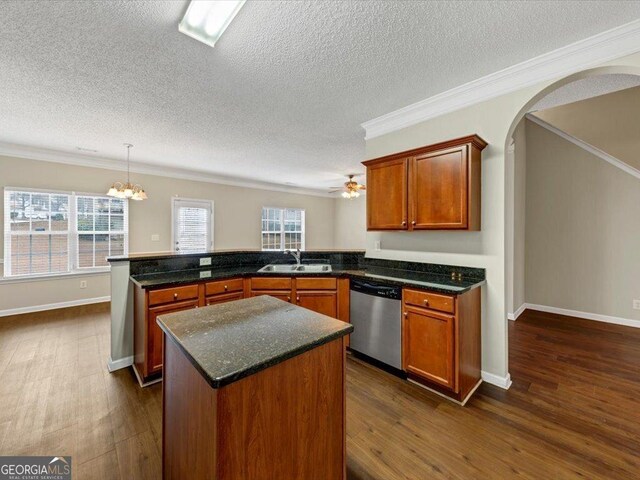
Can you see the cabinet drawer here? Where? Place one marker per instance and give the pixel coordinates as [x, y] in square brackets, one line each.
[419, 298]
[315, 283]
[175, 294]
[225, 297]
[271, 283]
[223, 286]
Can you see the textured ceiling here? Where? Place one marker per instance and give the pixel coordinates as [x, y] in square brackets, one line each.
[586, 88]
[281, 96]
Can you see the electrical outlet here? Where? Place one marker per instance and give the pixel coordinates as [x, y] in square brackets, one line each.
[377, 245]
[205, 261]
[205, 274]
[155, 237]
[83, 284]
[636, 304]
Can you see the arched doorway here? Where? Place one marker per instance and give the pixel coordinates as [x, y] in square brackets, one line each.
[510, 178]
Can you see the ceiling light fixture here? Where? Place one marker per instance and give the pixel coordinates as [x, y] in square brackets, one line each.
[127, 190]
[206, 20]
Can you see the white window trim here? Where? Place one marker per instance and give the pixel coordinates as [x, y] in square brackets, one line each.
[282, 231]
[72, 234]
[211, 219]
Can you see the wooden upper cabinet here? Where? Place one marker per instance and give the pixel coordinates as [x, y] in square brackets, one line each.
[441, 189]
[387, 190]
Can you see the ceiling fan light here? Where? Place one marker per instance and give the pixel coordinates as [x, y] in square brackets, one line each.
[113, 191]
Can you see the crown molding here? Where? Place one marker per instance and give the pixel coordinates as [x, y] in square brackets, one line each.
[616, 162]
[587, 53]
[74, 158]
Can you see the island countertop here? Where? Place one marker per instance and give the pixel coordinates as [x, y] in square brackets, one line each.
[231, 341]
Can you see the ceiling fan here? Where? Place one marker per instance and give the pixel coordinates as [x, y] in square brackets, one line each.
[351, 188]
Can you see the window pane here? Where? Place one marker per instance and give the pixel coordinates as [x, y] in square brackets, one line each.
[85, 250]
[38, 254]
[192, 227]
[85, 205]
[117, 244]
[59, 204]
[102, 205]
[59, 221]
[117, 223]
[85, 223]
[117, 206]
[102, 223]
[102, 250]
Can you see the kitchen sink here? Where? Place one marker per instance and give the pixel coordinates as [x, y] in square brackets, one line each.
[312, 268]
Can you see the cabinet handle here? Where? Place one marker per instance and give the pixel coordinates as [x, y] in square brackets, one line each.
[406, 314]
[426, 301]
[413, 222]
[225, 288]
[297, 299]
[288, 299]
[175, 296]
[404, 222]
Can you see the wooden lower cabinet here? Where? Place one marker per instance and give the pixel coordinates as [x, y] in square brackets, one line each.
[154, 340]
[326, 295]
[441, 346]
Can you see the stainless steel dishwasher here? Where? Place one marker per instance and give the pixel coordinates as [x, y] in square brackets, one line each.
[376, 319]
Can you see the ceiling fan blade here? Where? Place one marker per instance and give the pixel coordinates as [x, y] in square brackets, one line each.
[334, 191]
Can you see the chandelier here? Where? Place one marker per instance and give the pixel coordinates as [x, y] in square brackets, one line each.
[127, 190]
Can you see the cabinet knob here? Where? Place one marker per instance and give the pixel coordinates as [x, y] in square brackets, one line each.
[297, 299]
[225, 288]
[413, 222]
[426, 301]
[404, 222]
[405, 314]
[288, 299]
[175, 296]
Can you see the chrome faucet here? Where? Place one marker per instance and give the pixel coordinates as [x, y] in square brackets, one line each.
[295, 254]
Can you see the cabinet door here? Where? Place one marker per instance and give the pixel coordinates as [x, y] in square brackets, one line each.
[428, 346]
[387, 195]
[281, 294]
[154, 333]
[324, 302]
[438, 194]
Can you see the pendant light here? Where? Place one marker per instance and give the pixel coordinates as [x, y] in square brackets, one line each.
[127, 190]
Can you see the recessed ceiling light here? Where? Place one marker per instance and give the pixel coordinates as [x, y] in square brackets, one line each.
[206, 20]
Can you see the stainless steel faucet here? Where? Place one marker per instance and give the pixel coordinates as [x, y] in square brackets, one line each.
[295, 254]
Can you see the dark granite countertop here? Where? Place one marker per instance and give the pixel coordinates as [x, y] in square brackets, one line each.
[386, 276]
[230, 341]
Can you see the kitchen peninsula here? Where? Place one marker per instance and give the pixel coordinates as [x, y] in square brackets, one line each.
[253, 389]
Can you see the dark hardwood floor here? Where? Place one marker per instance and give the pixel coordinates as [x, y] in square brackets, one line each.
[573, 410]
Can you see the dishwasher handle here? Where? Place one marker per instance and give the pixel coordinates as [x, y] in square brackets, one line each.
[376, 289]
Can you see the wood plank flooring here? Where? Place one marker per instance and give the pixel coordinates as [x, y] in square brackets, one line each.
[573, 410]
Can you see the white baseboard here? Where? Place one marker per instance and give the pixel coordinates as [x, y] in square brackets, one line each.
[53, 306]
[517, 313]
[498, 381]
[114, 365]
[586, 315]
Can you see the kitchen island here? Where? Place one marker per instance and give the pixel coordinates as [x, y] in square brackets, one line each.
[253, 389]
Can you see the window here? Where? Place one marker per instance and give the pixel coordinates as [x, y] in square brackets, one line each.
[192, 225]
[101, 230]
[59, 232]
[282, 228]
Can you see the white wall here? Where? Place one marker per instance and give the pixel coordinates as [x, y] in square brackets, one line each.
[583, 229]
[237, 219]
[519, 218]
[350, 225]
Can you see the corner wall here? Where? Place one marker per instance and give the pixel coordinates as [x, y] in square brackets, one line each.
[583, 229]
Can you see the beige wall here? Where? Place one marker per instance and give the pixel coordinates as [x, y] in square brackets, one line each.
[350, 226]
[608, 122]
[519, 221]
[582, 229]
[236, 216]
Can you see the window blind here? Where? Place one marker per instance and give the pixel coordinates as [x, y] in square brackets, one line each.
[192, 221]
